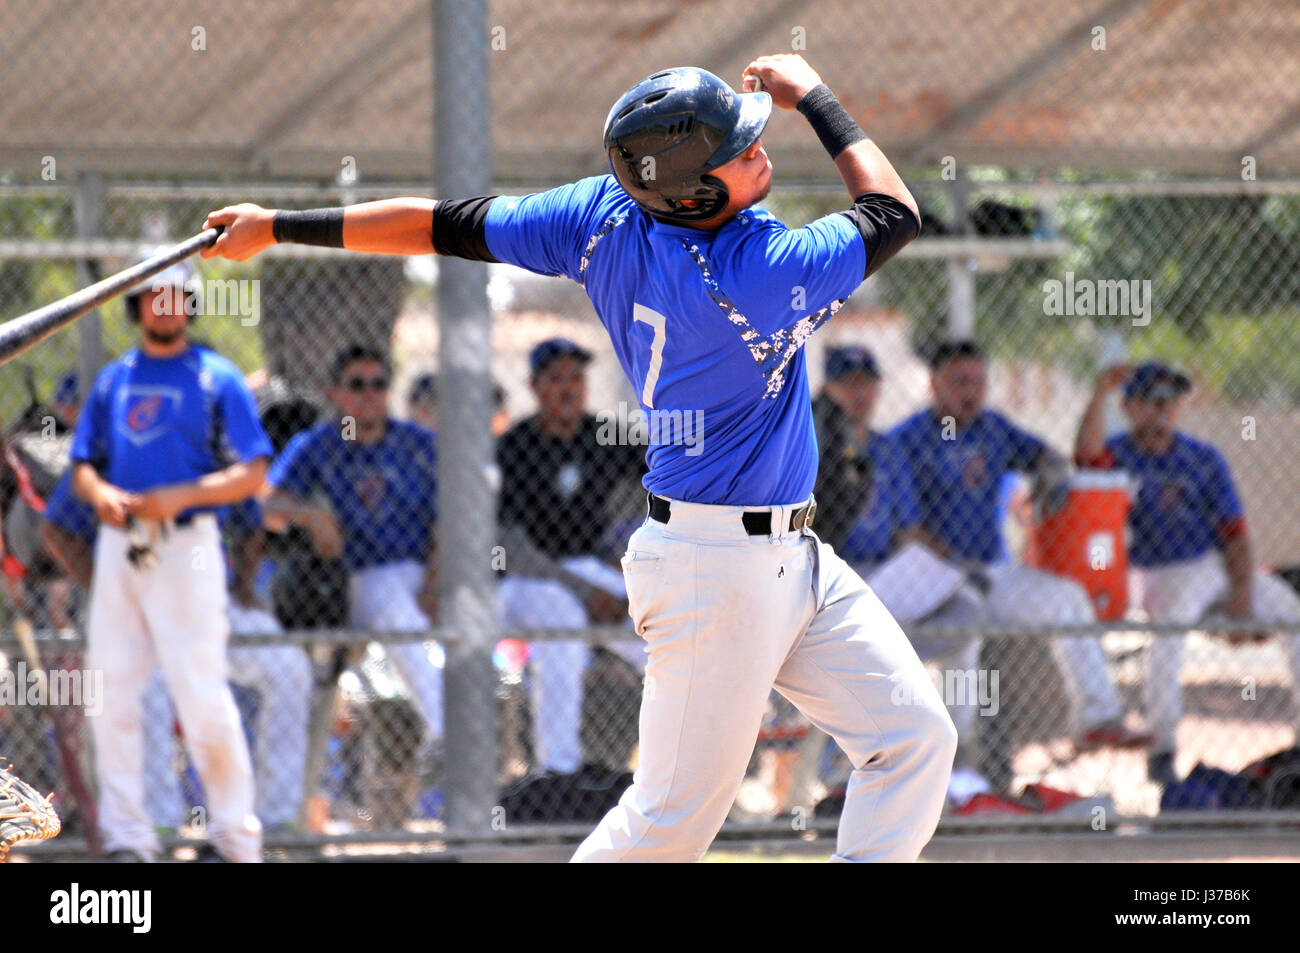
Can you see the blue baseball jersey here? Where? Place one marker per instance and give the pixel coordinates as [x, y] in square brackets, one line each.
[151, 422]
[959, 480]
[384, 494]
[69, 513]
[709, 327]
[891, 506]
[1186, 502]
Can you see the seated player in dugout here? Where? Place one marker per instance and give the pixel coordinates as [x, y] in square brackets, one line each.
[864, 482]
[559, 479]
[958, 451]
[727, 582]
[1190, 547]
[364, 487]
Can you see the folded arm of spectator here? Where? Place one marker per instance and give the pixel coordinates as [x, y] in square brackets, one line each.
[281, 510]
[1051, 483]
[525, 559]
[245, 556]
[1239, 562]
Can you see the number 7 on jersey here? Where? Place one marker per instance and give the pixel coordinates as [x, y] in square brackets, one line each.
[657, 321]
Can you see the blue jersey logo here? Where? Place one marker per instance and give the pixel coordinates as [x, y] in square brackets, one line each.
[370, 490]
[975, 470]
[148, 412]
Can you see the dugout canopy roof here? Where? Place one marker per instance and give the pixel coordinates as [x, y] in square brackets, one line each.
[288, 88]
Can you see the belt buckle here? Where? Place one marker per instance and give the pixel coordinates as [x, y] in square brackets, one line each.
[808, 513]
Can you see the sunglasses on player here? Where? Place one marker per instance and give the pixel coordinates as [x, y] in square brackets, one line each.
[359, 385]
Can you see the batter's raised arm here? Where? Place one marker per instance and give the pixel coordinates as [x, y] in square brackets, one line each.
[399, 226]
[793, 84]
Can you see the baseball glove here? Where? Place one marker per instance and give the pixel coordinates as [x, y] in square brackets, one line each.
[24, 814]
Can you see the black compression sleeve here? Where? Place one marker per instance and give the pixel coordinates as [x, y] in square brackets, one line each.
[886, 225]
[460, 228]
[318, 226]
[831, 121]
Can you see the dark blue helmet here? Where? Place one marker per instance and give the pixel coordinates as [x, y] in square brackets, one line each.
[666, 133]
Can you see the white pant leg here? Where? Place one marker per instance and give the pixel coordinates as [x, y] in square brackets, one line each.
[965, 608]
[1021, 594]
[162, 786]
[281, 676]
[384, 598]
[855, 675]
[1179, 593]
[183, 599]
[119, 646]
[722, 613]
[1276, 601]
[557, 666]
[719, 616]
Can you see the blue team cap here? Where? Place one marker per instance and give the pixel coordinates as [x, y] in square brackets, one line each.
[66, 392]
[554, 349]
[424, 389]
[843, 361]
[1154, 381]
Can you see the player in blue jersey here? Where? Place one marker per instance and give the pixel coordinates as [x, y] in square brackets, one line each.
[959, 451]
[708, 301]
[1190, 548]
[167, 437]
[378, 478]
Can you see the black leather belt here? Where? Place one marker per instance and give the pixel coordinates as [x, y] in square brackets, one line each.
[756, 524]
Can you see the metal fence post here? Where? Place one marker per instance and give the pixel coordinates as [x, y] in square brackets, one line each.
[466, 499]
[961, 274]
[87, 209]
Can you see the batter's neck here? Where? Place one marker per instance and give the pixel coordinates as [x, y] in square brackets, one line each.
[164, 349]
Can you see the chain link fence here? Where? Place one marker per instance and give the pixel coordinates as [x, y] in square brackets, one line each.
[1113, 621]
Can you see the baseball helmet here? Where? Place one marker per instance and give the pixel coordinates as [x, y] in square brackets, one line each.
[180, 275]
[666, 133]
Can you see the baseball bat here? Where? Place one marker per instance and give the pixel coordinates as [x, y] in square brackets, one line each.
[21, 333]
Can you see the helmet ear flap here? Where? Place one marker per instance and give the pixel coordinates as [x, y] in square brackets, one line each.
[712, 202]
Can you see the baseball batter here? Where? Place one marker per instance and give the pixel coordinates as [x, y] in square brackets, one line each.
[708, 301]
[168, 436]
